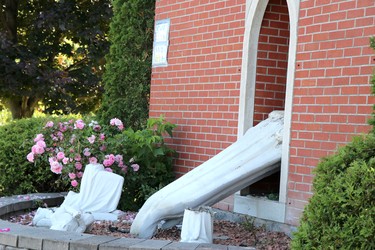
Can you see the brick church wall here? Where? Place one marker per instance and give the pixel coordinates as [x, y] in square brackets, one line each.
[199, 89]
[331, 101]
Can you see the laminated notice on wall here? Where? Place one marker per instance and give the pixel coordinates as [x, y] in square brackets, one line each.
[161, 43]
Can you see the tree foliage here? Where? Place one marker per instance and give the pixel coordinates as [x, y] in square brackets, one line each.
[128, 70]
[52, 51]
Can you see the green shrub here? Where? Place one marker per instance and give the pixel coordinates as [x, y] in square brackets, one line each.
[341, 213]
[128, 69]
[17, 175]
[147, 148]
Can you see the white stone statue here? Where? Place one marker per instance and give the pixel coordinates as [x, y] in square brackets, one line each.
[254, 155]
[98, 197]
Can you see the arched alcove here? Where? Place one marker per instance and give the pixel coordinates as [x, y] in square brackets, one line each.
[260, 95]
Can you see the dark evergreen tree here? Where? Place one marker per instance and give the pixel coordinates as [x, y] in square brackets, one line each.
[128, 69]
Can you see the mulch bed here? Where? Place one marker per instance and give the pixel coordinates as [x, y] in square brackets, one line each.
[225, 232]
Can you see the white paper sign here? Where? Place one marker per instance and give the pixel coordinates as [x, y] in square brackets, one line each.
[161, 43]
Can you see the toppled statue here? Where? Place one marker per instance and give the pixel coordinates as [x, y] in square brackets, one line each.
[98, 198]
[250, 158]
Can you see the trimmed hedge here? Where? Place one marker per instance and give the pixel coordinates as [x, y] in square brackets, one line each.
[17, 175]
[341, 213]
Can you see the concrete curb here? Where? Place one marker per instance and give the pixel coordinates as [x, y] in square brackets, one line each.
[26, 237]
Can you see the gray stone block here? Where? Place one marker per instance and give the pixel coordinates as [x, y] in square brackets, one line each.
[14, 248]
[90, 243]
[2, 247]
[6, 209]
[205, 246]
[181, 246]
[240, 248]
[150, 245]
[22, 205]
[8, 239]
[30, 242]
[60, 240]
[122, 243]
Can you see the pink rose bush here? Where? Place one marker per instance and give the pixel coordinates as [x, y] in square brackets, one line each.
[69, 146]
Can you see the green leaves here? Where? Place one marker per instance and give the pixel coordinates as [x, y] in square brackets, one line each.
[148, 149]
[341, 213]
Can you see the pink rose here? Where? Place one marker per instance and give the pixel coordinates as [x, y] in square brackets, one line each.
[65, 160]
[97, 128]
[118, 158]
[62, 127]
[79, 174]
[60, 155]
[79, 124]
[116, 122]
[107, 162]
[41, 144]
[77, 157]
[93, 160]
[78, 165]
[102, 137]
[37, 150]
[56, 167]
[60, 136]
[30, 157]
[103, 148]
[39, 137]
[72, 175]
[108, 170]
[74, 183]
[135, 167]
[91, 139]
[86, 152]
[51, 160]
[49, 124]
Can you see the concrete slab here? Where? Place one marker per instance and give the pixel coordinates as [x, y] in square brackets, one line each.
[14, 248]
[8, 239]
[90, 243]
[60, 240]
[181, 246]
[6, 209]
[240, 248]
[31, 242]
[122, 243]
[150, 245]
[205, 246]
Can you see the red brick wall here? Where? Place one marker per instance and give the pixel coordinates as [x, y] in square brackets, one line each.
[331, 100]
[272, 60]
[199, 89]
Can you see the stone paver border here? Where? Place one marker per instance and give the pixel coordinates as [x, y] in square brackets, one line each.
[26, 237]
